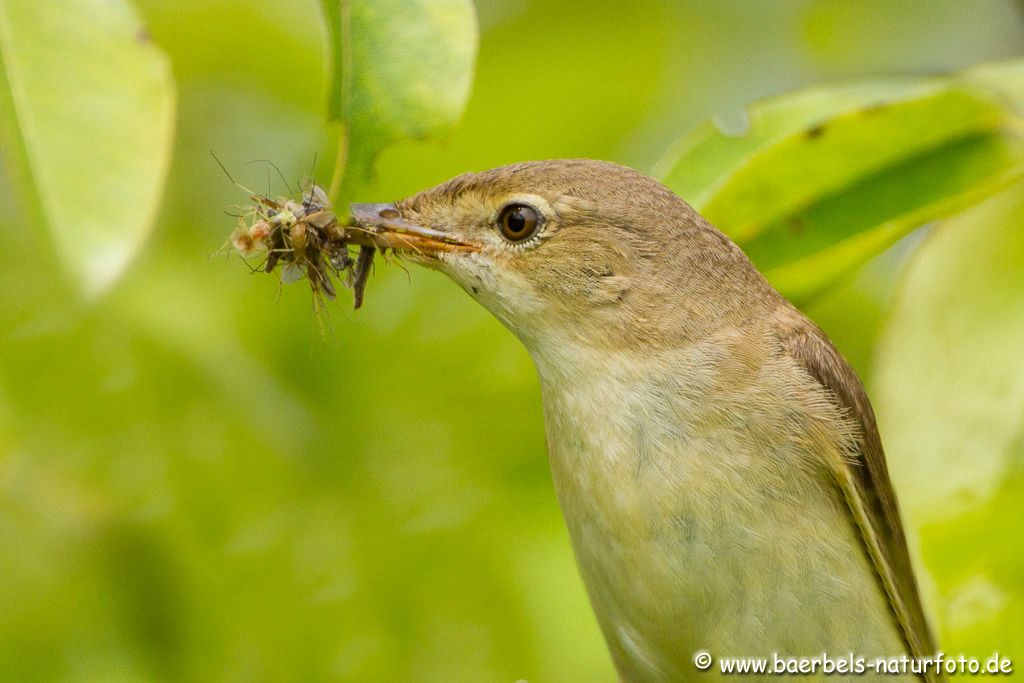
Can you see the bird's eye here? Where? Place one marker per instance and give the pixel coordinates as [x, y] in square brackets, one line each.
[518, 222]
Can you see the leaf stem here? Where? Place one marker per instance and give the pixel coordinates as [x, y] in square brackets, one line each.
[343, 55]
[340, 162]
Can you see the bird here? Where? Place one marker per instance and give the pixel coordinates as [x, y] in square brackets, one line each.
[715, 457]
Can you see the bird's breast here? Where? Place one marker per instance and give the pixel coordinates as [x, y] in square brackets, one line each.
[700, 516]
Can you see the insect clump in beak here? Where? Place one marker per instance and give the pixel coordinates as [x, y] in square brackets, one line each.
[303, 239]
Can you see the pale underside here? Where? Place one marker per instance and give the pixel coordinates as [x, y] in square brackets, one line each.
[698, 524]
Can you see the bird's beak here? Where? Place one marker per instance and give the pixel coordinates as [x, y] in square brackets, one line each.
[387, 228]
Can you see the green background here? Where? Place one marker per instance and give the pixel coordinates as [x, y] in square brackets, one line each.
[197, 483]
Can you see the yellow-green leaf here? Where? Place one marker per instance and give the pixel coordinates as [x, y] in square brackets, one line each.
[704, 161]
[831, 156]
[89, 117]
[949, 394]
[828, 178]
[399, 69]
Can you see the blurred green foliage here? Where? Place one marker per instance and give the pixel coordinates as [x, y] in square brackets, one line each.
[102, 124]
[194, 484]
[950, 398]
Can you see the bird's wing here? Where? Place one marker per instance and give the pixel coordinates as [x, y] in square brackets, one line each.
[864, 480]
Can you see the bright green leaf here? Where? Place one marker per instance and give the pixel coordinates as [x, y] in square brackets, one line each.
[837, 235]
[400, 69]
[788, 176]
[828, 178]
[949, 393]
[704, 160]
[89, 114]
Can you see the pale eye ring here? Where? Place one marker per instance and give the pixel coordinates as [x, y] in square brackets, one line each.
[518, 222]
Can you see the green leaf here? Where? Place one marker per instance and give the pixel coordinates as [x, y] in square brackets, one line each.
[828, 178]
[88, 118]
[949, 394]
[399, 69]
[704, 160]
[837, 235]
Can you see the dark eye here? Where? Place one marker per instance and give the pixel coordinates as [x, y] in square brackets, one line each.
[518, 222]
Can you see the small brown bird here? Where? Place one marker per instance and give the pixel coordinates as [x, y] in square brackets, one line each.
[715, 457]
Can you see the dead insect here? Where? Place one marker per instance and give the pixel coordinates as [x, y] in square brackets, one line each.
[251, 239]
[361, 273]
[301, 239]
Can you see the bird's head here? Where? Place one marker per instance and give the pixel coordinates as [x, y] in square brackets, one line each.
[572, 251]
